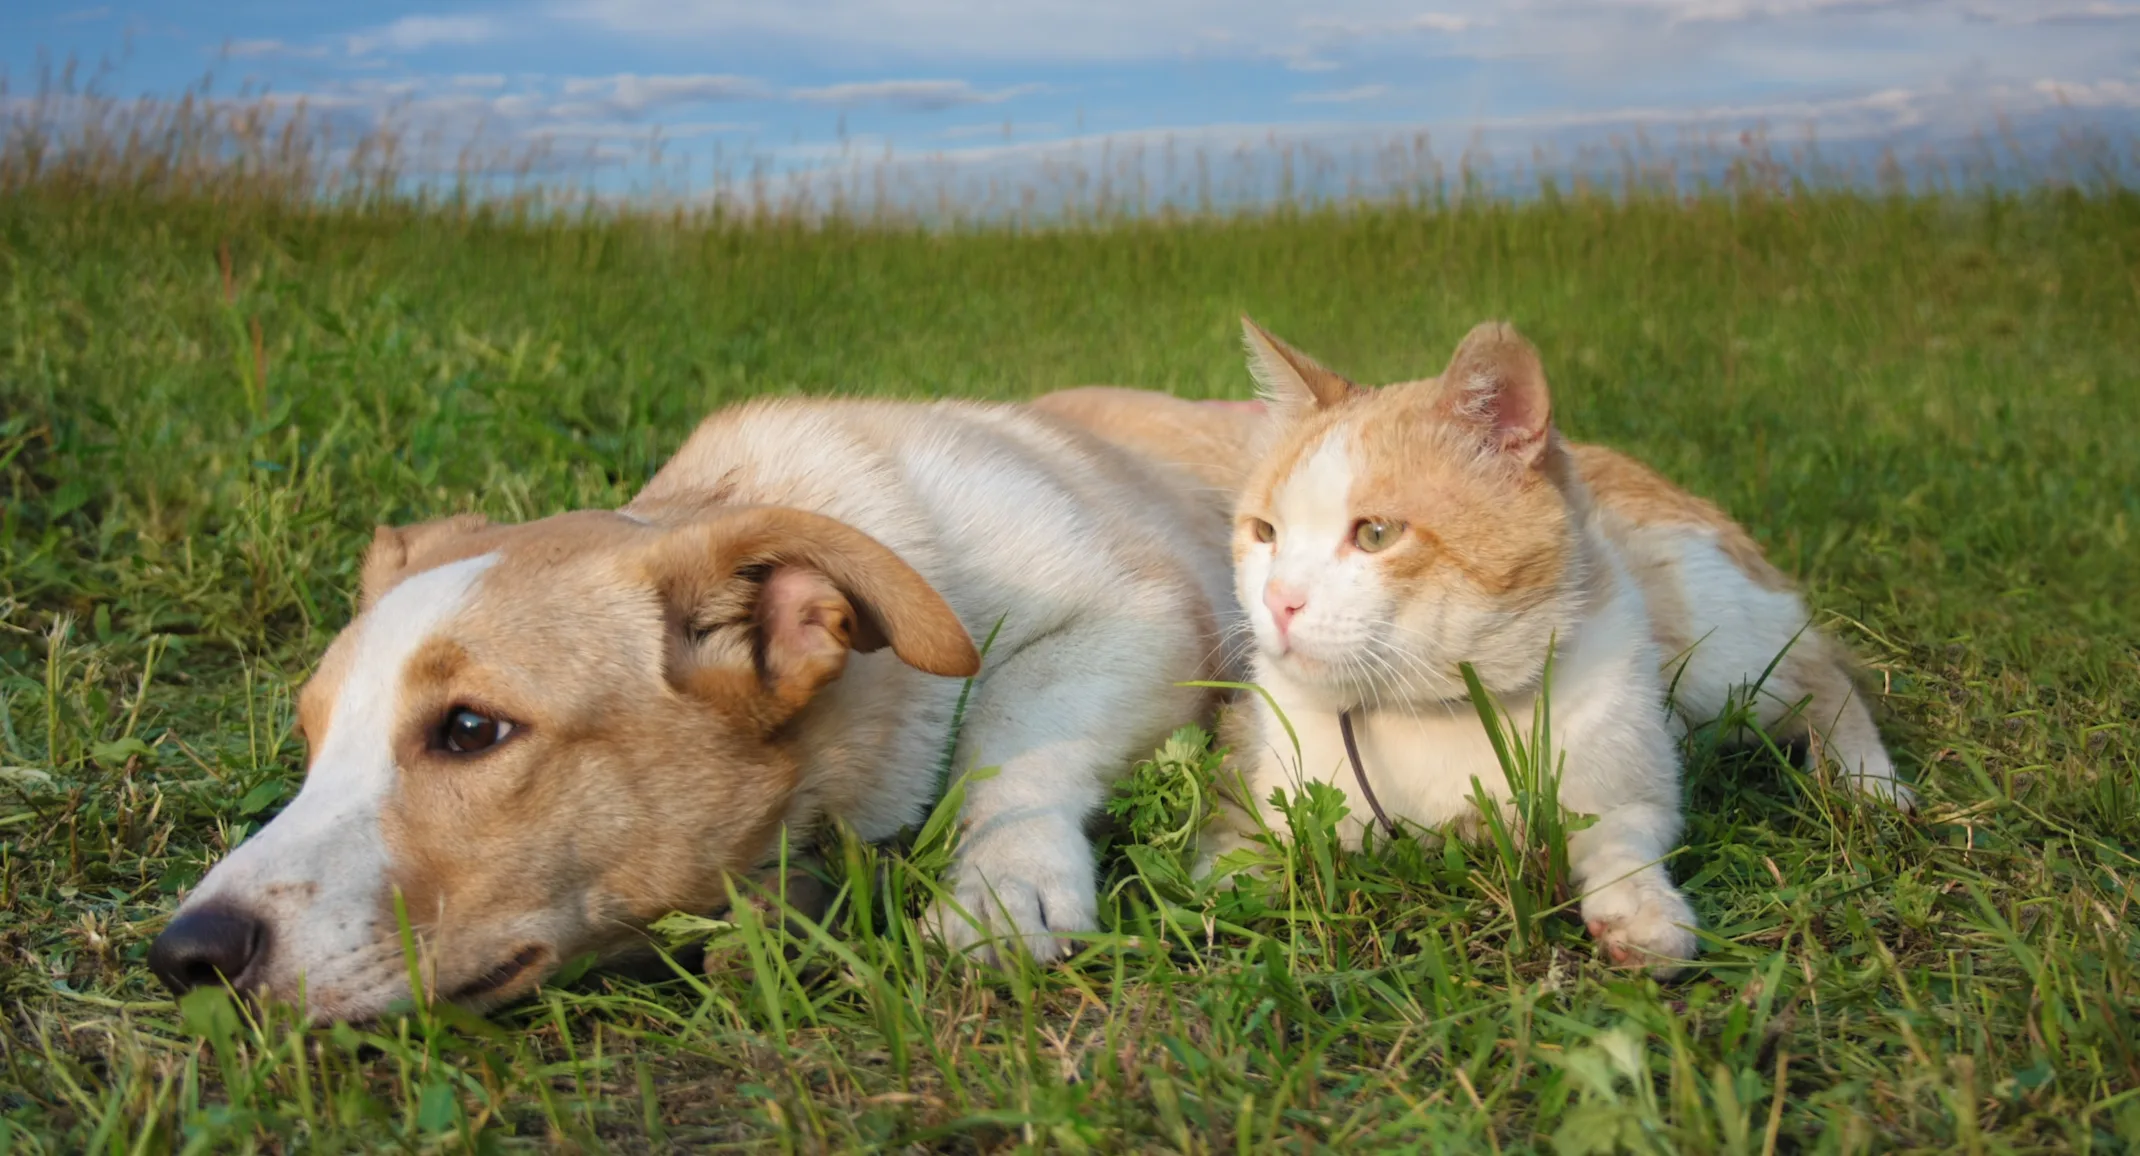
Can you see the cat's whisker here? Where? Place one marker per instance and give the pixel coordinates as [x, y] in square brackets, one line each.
[1416, 680]
[1237, 647]
[1382, 665]
[1236, 641]
[1401, 684]
[1373, 684]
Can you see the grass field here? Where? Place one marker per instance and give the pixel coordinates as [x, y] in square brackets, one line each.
[1927, 407]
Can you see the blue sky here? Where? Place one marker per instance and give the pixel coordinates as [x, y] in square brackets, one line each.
[996, 82]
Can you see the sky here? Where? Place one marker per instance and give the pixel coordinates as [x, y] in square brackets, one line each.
[986, 84]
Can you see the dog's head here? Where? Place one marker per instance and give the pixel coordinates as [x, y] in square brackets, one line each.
[540, 737]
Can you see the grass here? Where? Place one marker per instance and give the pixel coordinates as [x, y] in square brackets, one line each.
[1925, 406]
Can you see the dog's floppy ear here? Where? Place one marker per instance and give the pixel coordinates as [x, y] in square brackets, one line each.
[801, 590]
[399, 551]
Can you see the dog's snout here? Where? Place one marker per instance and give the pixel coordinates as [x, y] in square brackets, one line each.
[203, 948]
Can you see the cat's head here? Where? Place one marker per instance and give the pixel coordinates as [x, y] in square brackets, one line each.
[1393, 533]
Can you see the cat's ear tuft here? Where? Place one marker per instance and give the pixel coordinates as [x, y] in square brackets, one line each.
[1496, 383]
[1290, 380]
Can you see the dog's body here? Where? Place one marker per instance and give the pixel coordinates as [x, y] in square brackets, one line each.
[1105, 574]
[545, 735]
[1218, 443]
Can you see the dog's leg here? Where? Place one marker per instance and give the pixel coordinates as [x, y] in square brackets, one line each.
[1062, 719]
[807, 895]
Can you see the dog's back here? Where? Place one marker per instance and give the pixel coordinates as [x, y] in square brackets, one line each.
[1214, 441]
[1102, 572]
[1002, 507]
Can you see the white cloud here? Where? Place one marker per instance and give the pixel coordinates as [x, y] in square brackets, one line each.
[2097, 13]
[390, 89]
[1868, 115]
[629, 94]
[1443, 22]
[1002, 128]
[1645, 40]
[82, 16]
[1344, 95]
[1447, 23]
[615, 130]
[2102, 94]
[517, 106]
[492, 111]
[257, 49]
[1085, 30]
[1863, 116]
[1743, 11]
[693, 129]
[416, 33]
[1678, 13]
[1059, 30]
[915, 95]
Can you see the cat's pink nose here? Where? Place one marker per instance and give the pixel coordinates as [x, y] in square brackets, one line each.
[1284, 602]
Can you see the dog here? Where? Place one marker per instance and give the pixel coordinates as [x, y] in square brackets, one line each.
[533, 739]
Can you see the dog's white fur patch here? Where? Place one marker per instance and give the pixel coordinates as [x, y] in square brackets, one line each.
[315, 873]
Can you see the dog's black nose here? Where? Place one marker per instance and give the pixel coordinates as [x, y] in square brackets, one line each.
[206, 947]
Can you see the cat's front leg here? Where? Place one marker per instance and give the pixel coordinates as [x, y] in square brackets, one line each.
[1242, 814]
[1629, 902]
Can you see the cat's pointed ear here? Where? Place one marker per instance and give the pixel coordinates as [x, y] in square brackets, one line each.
[1288, 378]
[1496, 383]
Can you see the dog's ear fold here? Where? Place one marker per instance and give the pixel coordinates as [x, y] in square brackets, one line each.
[803, 590]
[399, 551]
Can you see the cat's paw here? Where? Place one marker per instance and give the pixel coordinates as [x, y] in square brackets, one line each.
[1871, 773]
[1643, 926]
[1011, 896]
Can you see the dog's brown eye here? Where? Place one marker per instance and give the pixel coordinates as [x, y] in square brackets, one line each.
[1264, 531]
[1373, 535]
[468, 732]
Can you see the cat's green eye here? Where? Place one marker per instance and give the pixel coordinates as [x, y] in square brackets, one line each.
[1264, 531]
[1373, 535]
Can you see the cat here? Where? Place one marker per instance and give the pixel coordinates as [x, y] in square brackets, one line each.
[1388, 535]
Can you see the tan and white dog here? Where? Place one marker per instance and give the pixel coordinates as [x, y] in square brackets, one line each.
[544, 735]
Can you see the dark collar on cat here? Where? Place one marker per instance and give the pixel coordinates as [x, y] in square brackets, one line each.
[1359, 773]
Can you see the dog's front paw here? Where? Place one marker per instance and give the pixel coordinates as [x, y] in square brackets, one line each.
[1018, 893]
[1887, 789]
[1640, 923]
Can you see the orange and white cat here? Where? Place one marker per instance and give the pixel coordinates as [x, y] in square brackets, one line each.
[1388, 535]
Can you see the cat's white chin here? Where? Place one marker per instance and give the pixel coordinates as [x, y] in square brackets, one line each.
[1329, 682]
[1306, 663]
[1320, 649]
